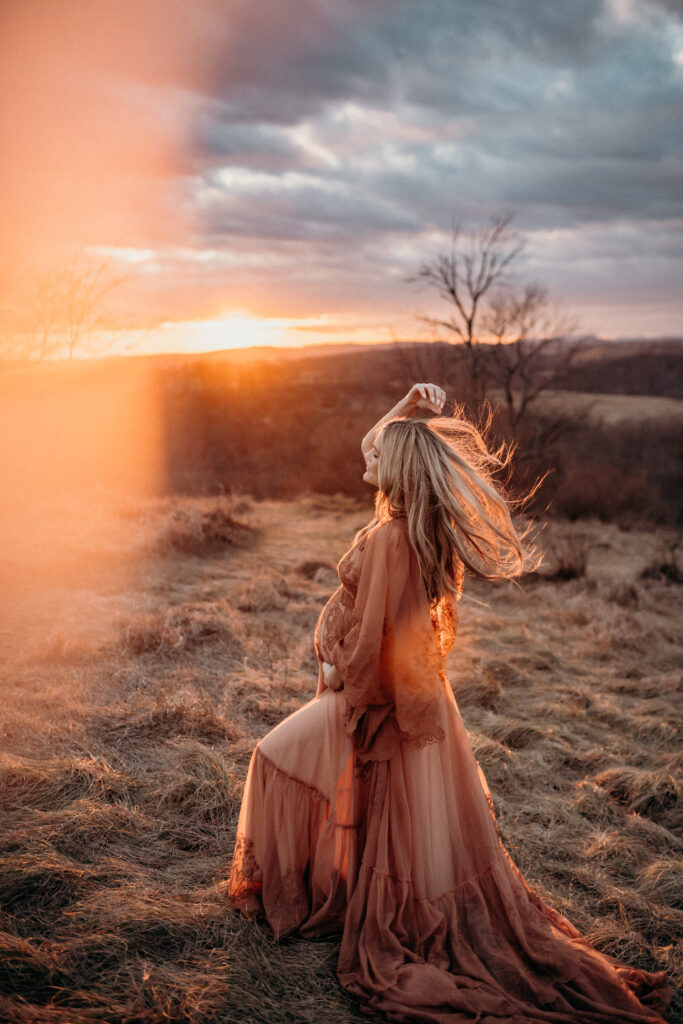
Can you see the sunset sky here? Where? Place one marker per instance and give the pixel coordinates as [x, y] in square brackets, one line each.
[272, 172]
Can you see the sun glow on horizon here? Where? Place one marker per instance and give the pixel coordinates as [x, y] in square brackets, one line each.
[240, 330]
[234, 330]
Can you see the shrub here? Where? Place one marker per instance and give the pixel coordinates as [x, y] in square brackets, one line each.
[191, 532]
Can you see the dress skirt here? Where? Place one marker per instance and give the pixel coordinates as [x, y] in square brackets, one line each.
[402, 857]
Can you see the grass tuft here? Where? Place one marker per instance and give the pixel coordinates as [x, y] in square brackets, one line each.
[200, 782]
[478, 691]
[179, 715]
[182, 628]
[662, 880]
[265, 593]
[655, 794]
[49, 784]
[190, 531]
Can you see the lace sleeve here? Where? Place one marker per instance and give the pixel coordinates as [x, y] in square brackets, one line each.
[390, 660]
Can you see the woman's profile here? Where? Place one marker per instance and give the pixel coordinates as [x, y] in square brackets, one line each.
[366, 813]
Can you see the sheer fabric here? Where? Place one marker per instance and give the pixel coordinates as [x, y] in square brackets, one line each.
[389, 647]
[366, 813]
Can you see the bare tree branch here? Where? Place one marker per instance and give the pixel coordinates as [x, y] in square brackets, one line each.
[463, 277]
[531, 350]
[63, 309]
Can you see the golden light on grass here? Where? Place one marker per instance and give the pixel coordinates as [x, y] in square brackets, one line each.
[124, 766]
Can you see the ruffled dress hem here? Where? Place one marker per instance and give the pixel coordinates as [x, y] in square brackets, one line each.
[487, 950]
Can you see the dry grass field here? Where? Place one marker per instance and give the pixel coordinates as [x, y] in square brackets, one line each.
[145, 659]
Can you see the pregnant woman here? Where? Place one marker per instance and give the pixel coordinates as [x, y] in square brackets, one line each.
[366, 813]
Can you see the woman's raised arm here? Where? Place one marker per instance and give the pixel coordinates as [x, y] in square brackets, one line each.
[420, 396]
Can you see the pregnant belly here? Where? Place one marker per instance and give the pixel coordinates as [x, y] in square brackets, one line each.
[334, 623]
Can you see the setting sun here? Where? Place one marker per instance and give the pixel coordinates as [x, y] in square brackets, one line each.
[240, 329]
[235, 330]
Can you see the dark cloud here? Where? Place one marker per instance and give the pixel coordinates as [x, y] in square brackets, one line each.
[673, 6]
[440, 54]
[259, 146]
[377, 122]
[300, 207]
[341, 137]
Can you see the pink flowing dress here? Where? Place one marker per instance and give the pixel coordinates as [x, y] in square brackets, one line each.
[366, 813]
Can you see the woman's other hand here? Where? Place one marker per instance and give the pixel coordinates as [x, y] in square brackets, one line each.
[331, 676]
[423, 396]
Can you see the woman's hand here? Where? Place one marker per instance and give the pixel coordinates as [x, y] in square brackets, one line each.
[422, 396]
[331, 676]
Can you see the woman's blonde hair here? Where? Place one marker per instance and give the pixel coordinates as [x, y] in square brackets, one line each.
[439, 475]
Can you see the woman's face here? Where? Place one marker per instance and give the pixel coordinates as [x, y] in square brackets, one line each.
[372, 463]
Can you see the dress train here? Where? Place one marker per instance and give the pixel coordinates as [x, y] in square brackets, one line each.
[402, 856]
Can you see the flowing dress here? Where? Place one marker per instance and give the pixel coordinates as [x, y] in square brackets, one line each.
[366, 813]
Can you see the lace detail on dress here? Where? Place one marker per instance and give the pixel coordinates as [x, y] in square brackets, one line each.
[334, 623]
[438, 736]
[245, 875]
[336, 619]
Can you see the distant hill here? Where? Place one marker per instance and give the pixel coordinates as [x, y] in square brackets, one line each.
[618, 367]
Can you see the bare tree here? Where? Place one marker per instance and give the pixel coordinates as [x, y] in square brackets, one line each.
[84, 287]
[511, 340]
[528, 350]
[463, 277]
[65, 305]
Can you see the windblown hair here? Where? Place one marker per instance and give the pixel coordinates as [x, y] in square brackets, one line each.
[439, 475]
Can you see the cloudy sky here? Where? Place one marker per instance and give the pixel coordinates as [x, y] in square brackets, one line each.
[275, 171]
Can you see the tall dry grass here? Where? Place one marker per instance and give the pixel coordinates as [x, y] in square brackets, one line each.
[126, 753]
